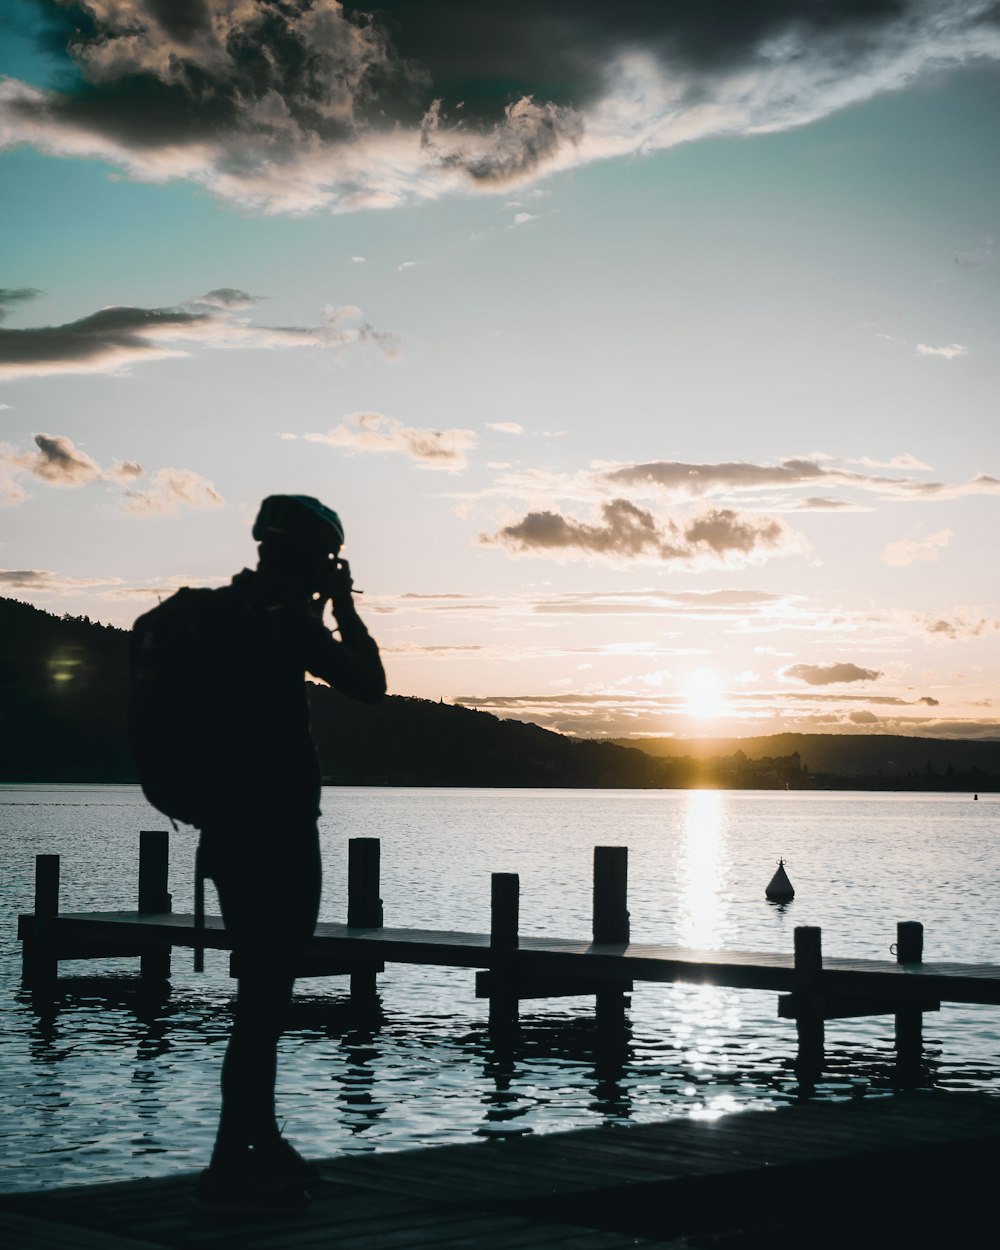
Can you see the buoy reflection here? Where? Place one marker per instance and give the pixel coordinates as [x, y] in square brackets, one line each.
[702, 868]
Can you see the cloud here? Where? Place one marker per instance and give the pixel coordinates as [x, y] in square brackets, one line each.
[505, 427]
[629, 533]
[227, 297]
[863, 718]
[57, 461]
[961, 626]
[914, 550]
[984, 253]
[15, 295]
[111, 339]
[358, 260]
[948, 352]
[903, 461]
[307, 104]
[681, 479]
[170, 490]
[45, 581]
[376, 434]
[829, 674]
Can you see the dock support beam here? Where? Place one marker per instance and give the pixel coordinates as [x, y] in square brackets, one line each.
[505, 910]
[39, 959]
[364, 910]
[809, 1021]
[909, 1019]
[154, 897]
[611, 924]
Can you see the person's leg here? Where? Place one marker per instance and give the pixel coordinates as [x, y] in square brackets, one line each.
[269, 905]
[249, 1070]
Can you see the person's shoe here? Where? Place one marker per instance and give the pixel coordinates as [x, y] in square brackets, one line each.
[247, 1192]
[280, 1160]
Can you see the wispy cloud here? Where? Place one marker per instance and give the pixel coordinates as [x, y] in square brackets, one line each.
[46, 582]
[57, 461]
[960, 625]
[112, 339]
[373, 433]
[917, 550]
[691, 480]
[505, 427]
[984, 253]
[308, 104]
[948, 352]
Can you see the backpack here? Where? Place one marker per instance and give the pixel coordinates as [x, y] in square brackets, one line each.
[174, 699]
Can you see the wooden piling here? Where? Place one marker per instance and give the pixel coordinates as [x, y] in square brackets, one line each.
[909, 1019]
[611, 920]
[154, 897]
[505, 909]
[39, 959]
[364, 907]
[364, 910]
[809, 1018]
[610, 925]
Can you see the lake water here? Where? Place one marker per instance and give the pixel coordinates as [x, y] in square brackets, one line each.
[103, 1084]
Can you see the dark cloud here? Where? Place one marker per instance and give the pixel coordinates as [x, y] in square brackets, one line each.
[628, 532]
[113, 338]
[227, 297]
[295, 104]
[829, 674]
[15, 295]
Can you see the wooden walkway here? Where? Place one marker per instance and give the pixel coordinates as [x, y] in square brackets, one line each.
[336, 947]
[910, 1171]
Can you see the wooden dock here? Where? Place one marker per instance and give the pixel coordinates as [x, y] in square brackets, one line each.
[512, 967]
[913, 1170]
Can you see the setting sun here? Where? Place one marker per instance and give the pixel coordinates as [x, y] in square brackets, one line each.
[704, 695]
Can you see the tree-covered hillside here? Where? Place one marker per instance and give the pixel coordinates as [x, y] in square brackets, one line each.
[63, 683]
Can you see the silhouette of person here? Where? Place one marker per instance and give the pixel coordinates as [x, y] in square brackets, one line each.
[259, 840]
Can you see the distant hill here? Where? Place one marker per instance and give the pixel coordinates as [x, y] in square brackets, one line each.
[63, 693]
[848, 755]
[63, 687]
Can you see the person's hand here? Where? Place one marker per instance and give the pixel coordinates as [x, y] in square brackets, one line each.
[339, 586]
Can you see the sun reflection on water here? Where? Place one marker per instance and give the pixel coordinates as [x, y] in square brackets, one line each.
[702, 870]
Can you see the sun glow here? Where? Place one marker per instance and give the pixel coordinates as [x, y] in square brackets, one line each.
[704, 695]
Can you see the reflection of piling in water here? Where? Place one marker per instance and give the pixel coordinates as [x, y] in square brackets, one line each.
[779, 888]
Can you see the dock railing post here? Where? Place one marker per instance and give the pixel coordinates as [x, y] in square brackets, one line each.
[809, 1007]
[505, 908]
[364, 908]
[39, 960]
[154, 897]
[610, 923]
[909, 1020]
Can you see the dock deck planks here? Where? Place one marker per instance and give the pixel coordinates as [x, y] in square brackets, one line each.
[601, 1188]
[557, 957]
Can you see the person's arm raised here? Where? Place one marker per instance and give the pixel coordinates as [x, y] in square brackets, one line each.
[351, 664]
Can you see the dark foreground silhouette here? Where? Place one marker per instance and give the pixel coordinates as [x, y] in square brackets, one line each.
[219, 729]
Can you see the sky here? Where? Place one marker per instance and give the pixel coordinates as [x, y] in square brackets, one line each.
[650, 353]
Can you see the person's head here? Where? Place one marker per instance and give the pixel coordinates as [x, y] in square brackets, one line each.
[297, 537]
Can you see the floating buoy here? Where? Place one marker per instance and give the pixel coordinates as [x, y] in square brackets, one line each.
[976, 797]
[779, 888]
